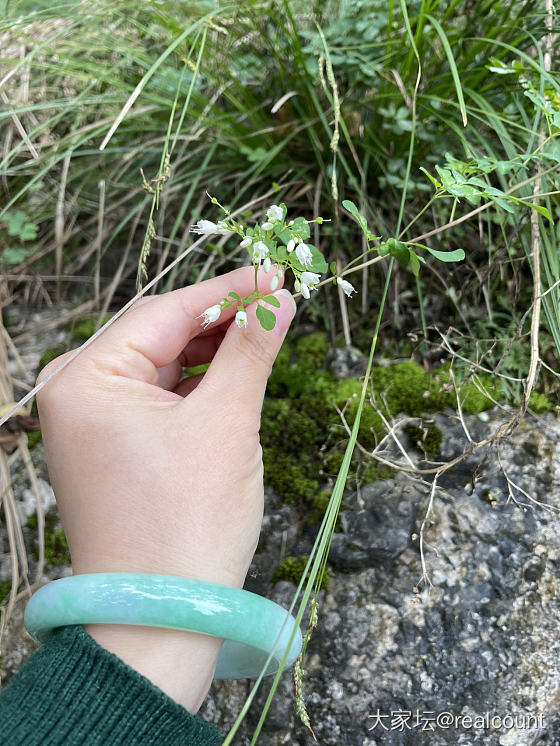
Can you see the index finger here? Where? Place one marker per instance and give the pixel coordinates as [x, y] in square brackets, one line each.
[158, 331]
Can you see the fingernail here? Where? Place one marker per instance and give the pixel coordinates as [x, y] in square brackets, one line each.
[285, 313]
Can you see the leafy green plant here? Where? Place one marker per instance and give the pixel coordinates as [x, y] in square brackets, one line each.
[18, 226]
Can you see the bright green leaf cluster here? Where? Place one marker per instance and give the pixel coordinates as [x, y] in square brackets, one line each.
[469, 180]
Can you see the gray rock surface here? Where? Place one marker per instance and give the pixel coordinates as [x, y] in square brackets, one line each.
[481, 643]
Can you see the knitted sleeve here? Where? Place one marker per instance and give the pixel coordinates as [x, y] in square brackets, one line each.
[73, 692]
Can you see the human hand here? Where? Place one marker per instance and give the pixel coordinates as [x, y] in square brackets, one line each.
[157, 475]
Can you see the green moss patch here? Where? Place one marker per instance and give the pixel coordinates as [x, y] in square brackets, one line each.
[303, 437]
[5, 588]
[56, 546]
[292, 569]
[80, 331]
[427, 437]
[540, 403]
[50, 354]
[33, 437]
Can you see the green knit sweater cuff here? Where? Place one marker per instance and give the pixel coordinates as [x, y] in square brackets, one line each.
[72, 691]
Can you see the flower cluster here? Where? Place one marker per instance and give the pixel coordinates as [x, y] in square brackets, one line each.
[278, 247]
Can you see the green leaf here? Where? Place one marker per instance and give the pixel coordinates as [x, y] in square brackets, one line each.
[29, 232]
[540, 209]
[333, 268]
[14, 256]
[279, 254]
[272, 300]
[351, 207]
[435, 182]
[447, 256]
[234, 295]
[401, 252]
[301, 228]
[266, 318]
[502, 202]
[318, 264]
[18, 225]
[413, 263]
[282, 233]
[353, 210]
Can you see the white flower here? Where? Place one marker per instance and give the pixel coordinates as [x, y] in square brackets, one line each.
[206, 227]
[222, 228]
[260, 251]
[297, 286]
[310, 279]
[241, 319]
[347, 288]
[274, 283]
[303, 253]
[267, 226]
[267, 264]
[210, 315]
[305, 291]
[291, 245]
[275, 213]
[246, 242]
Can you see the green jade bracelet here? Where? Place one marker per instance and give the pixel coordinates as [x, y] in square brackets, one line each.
[253, 628]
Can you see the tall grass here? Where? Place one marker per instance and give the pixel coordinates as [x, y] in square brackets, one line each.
[83, 66]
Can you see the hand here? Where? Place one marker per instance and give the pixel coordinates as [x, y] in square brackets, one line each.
[157, 475]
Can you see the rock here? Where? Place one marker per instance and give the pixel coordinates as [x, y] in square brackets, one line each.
[376, 523]
[482, 643]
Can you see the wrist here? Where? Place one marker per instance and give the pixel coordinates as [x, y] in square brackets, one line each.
[179, 663]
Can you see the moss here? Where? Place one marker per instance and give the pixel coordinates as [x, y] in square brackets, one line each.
[427, 437]
[375, 471]
[289, 479]
[49, 355]
[312, 349]
[34, 437]
[474, 401]
[280, 379]
[80, 331]
[292, 569]
[5, 588]
[540, 403]
[56, 546]
[300, 418]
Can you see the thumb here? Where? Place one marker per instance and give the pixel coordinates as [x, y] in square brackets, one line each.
[242, 364]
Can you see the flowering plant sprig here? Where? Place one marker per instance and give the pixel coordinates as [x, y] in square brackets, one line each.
[278, 246]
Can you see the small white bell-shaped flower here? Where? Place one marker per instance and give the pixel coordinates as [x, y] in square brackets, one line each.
[210, 315]
[347, 287]
[274, 213]
[310, 279]
[260, 251]
[303, 253]
[241, 319]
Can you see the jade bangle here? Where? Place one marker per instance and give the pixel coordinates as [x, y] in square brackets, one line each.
[252, 626]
